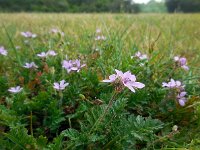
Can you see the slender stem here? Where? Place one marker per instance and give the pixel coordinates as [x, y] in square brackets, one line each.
[12, 44]
[104, 113]
[61, 99]
[70, 124]
[31, 123]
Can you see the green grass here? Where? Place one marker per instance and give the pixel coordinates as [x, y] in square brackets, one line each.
[94, 115]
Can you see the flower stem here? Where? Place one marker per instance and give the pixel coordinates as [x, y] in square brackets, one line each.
[99, 120]
[61, 99]
[31, 123]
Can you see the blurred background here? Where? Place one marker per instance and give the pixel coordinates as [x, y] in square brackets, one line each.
[113, 6]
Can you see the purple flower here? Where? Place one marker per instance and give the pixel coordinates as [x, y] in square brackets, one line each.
[112, 78]
[77, 65]
[3, 51]
[179, 90]
[30, 65]
[42, 55]
[181, 98]
[51, 53]
[60, 86]
[185, 67]
[182, 62]
[15, 89]
[126, 79]
[67, 65]
[72, 65]
[172, 84]
[140, 56]
[28, 34]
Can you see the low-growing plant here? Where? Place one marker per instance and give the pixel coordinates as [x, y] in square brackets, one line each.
[55, 97]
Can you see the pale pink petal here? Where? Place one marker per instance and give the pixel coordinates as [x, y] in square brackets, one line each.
[112, 77]
[181, 102]
[138, 85]
[176, 58]
[182, 94]
[119, 73]
[185, 67]
[107, 81]
[178, 83]
[131, 88]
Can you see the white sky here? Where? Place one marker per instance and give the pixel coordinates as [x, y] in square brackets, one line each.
[144, 1]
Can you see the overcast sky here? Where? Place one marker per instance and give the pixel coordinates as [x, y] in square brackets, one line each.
[144, 1]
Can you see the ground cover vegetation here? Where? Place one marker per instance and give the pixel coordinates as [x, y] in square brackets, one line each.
[99, 81]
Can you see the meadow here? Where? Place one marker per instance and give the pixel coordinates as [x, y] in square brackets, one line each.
[99, 81]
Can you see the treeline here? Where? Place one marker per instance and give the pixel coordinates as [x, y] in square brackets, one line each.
[183, 5]
[68, 6]
[98, 6]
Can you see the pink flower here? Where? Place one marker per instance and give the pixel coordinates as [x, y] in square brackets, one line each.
[42, 55]
[185, 67]
[77, 65]
[140, 56]
[30, 65]
[172, 84]
[98, 38]
[60, 86]
[72, 65]
[28, 34]
[180, 90]
[56, 31]
[182, 62]
[51, 53]
[15, 89]
[176, 58]
[67, 65]
[112, 78]
[98, 30]
[126, 79]
[3, 51]
[181, 98]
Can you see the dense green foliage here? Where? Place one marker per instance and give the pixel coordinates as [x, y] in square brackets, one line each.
[98, 6]
[68, 6]
[183, 5]
[147, 119]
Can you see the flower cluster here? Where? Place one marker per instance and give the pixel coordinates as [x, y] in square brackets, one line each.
[3, 51]
[72, 65]
[28, 34]
[99, 36]
[173, 84]
[15, 90]
[182, 62]
[30, 65]
[180, 90]
[60, 85]
[49, 53]
[140, 56]
[125, 79]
